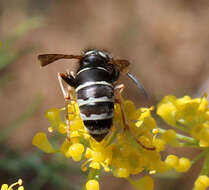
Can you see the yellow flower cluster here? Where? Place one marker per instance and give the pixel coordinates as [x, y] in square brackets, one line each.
[134, 142]
[187, 114]
[130, 148]
[11, 187]
[192, 117]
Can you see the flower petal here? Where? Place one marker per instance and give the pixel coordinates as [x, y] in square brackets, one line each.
[41, 141]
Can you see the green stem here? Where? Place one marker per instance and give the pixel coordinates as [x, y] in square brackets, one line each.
[188, 145]
[205, 167]
[183, 128]
[199, 156]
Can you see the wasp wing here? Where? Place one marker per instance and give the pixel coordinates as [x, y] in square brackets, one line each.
[46, 59]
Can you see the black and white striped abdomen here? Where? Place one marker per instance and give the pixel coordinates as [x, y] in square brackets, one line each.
[95, 97]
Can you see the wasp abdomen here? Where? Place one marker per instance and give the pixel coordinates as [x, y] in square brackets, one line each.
[95, 98]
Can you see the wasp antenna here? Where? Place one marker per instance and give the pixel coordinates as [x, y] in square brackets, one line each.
[46, 59]
[139, 85]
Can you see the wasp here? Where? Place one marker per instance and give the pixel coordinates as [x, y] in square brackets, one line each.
[94, 84]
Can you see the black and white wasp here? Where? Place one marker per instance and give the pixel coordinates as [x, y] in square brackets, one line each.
[95, 85]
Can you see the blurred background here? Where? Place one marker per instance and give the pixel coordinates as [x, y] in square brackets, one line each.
[167, 43]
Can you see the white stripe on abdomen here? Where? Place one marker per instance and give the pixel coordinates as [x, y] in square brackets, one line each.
[86, 84]
[82, 102]
[96, 116]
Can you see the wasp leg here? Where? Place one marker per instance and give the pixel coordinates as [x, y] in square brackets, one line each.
[69, 79]
[68, 95]
[119, 100]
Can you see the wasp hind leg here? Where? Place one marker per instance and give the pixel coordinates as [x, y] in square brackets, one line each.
[118, 99]
[68, 94]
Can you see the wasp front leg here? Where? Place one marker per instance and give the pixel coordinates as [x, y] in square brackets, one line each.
[119, 99]
[68, 93]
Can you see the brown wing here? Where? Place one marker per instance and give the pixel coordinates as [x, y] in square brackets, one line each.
[46, 59]
[122, 65]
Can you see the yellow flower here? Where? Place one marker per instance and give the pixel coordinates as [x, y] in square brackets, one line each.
[159, 144]
[179, 164]
[167, 110]
[75, 151]
[189, 115]
[98, 155]
[184, 165]
[201, 183]
[172, 161]
[184, 110]
[144, 183]
[41, 141]
[19, 183]
[201, 133]
[53, 115]
[130, 148]
[126, 161]
[92, 185]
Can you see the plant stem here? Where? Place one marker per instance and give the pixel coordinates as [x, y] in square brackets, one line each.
[205, 167]
[199, 156]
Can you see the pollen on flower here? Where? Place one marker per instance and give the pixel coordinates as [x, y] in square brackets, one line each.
[155, 131]
[50, 129]
[92, 185]
[152, 172]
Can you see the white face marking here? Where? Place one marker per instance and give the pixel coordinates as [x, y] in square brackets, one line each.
[91, 99]
[92, 83]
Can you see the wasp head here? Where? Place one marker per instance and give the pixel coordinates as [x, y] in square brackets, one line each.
[95, 58]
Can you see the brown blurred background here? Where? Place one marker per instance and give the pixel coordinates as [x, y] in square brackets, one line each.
[167, 43]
